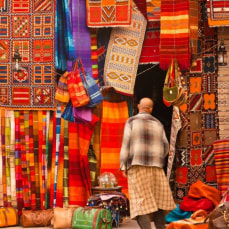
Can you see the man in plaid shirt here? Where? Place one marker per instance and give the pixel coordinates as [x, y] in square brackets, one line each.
[142, 156]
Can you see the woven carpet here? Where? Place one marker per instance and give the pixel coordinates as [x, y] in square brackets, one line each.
[218, 13]
[150, 48]
[221, 155]
[108, 13]
[123, 54]
[114, 116]
[31, 33]
[174, 38]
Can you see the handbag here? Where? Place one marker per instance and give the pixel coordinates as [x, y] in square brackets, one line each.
[62, 217]
[8, 217]
[219, 217]
[89, 217]
[62, 94]
[92, 87]
[68, 112]
[39, 218]
[76, 89]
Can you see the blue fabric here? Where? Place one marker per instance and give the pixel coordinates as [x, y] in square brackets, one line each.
[68, 112]
[64, 49]
[177, 214]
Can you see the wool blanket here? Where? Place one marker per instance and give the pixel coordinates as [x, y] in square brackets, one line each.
[174, 37]
[123, 54]
[114, 116]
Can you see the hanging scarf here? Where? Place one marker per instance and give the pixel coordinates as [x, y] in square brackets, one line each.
[174, 37]
[94, 54]
[66, 166]
[65, 49]
[1, 177]
[36, 158]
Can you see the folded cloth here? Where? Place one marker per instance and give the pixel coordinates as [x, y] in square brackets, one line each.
[193, 204]
[177, 214]
[199, 190]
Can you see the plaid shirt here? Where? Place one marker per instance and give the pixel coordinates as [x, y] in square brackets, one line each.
[144, 142]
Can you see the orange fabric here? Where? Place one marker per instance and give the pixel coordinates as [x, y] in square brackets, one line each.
[181, 225]
[199, 190]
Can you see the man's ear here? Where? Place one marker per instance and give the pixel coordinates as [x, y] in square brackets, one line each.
[138, 106]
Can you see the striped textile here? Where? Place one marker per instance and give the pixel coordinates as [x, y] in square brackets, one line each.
[1, 177]
[12, 161]
[94, 54]
[58, 124]
[18, 166]
[49, 159]
[153, 8]
[85, 133]
[24, 163]
[114, 116]
[218, 13]
[66, 166]
[36, 158]
[221, 155]
[96, 138]
[27, 152]
[7, 158]
[174, 37]
[32, 162]
[3, 158]
[77, 189]
[60, 172]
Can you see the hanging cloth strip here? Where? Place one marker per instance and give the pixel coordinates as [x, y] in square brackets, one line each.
[114, 116]
[49, 146]
[122, 58]
[32, 162]
[66, 166]
[60, 173]
[7, 152]
[58, 125]
[77, 189]
[174, 38]
[18, 164]
[153, 8]
[53, 160]
[36, 158]
[94, 55]
[85, 134]
[65, 49]
[81, 33]
[1, 177]
[24, 163]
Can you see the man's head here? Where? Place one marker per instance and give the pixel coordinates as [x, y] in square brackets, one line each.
[145, 105]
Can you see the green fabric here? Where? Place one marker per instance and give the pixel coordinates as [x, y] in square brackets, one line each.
[84, 217]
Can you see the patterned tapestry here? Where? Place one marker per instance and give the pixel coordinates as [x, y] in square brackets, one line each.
[153, 8]
[194, 147]
[107, 13]
[123, 54]
[27, 27]
[218, 13]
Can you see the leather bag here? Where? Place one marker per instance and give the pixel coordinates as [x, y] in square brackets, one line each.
[89, 217]
[39, 218]
[219, 217]
[8, 217]
[63, 217]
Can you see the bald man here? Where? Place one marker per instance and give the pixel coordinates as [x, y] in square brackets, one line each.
[142, 157]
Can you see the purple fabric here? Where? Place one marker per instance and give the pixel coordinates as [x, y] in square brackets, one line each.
[81, 34]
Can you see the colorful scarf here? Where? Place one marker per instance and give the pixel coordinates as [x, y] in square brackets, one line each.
[153, 8]
[174, 39]
[65, 49]
[66, 166]
[1, 177]
[36, 158]
[218, 13]
[81, 33]
[123, 54]
[109, 13]
[94, 54]
[114, 116]
[77, 189]
[18, 165]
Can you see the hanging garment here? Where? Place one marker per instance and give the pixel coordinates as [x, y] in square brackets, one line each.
[114, 116]
[123, 54]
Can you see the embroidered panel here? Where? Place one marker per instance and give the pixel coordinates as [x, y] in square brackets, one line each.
[104, 13]
[123, 54]
[27, 27]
